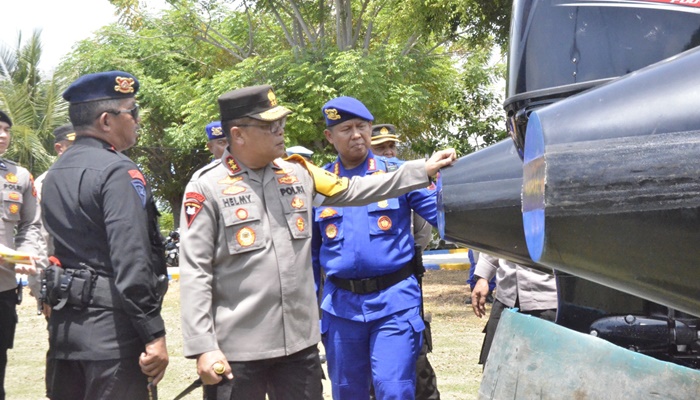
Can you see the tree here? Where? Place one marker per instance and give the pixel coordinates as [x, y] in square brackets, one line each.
[34, 104]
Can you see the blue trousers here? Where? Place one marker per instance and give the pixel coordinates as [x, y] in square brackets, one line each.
[383, 351]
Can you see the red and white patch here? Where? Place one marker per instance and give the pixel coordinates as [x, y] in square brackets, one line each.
[242, 213]
[193, 205]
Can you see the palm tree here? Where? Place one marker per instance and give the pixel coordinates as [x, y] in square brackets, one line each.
[34, 104]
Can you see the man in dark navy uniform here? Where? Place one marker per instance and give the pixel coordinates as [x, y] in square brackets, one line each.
[106, 333]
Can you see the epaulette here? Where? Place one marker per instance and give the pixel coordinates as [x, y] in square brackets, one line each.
[197, 174]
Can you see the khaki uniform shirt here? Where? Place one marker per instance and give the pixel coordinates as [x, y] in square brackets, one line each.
[20, 212]
[535, 290]
[247, 286]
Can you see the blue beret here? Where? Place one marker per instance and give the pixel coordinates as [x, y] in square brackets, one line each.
[214, 130]
[344, 108]
[102, 86]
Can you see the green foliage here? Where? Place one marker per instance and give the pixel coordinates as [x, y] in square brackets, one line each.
[33, 103]
[167, 223]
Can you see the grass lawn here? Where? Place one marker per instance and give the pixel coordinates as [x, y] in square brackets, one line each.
[456, 338]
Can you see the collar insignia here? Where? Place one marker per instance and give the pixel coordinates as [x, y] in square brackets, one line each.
[232, 165]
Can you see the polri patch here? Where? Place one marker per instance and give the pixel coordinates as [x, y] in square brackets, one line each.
[245, 237]
[193, 205]
[139, 184]
[384, 223]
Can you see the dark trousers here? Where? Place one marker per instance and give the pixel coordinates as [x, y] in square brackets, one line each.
[104, 380]
[8, 322]
[495, 317]
[293, 377]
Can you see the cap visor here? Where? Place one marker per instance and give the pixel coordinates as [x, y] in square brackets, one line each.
[272, 114]
[380, 140]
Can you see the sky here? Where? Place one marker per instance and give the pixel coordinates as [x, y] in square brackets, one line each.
[63, 23]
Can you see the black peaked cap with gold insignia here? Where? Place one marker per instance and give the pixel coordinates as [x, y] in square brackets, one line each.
[257, 102]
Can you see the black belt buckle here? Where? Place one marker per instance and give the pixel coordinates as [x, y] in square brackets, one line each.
[362, 286]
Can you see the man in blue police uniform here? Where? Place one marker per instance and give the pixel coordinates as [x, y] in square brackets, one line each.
[107, 336]
[371, 323]
[20, 230]
[217, 142]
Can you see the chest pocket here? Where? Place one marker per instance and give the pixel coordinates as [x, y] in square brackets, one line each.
[244, 230]
[11, 205]
[330, 221]
[296, 212]
[383, 217]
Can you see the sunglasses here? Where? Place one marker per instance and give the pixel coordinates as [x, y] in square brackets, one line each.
[133, 111]
[273, 128]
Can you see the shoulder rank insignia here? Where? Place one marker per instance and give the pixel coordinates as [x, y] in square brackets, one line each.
[232, 165]
[139, 184]
[193, 205]
[371, 164]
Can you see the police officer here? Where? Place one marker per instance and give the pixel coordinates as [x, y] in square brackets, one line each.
[217, 142]
[371, 323]
[247, 287]
[106, 333]
[64, 136]
[383, 142]
[20, 230]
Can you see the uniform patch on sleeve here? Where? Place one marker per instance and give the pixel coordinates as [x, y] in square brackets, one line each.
[139, 184]
[193, 205]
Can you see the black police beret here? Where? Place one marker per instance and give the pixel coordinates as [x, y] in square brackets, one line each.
[258, 102]
[64, 132]
[5, 118]
[384, 133]
[102, 86]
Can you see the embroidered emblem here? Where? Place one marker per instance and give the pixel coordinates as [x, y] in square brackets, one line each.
[124, 85]
[331, 231]
[297, 203]
[136, 174]
[327, 212]
[217, 131]
[230, 179]
[193, 205]
[288, 179]
[232, 166]
[384, 223]
[301, 224]
[245, 237]
[371, 164]
[383, 204]
[332, 114]
[383, 131]
[14, 196]
[14, 208]
[233, 189]
[10, 177]
[242, 213]
[139, 184]
[70, 136]
[271, 96]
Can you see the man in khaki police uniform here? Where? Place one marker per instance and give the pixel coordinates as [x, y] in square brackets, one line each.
[247, 288]
[20, 230]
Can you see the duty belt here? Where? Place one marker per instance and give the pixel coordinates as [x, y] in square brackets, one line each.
[376, 284]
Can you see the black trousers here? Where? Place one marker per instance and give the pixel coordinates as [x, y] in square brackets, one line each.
[293, 377]
[495, 317]
[104, 380]
[8, 322]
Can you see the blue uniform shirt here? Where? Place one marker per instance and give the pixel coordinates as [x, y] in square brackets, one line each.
[369, 241]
